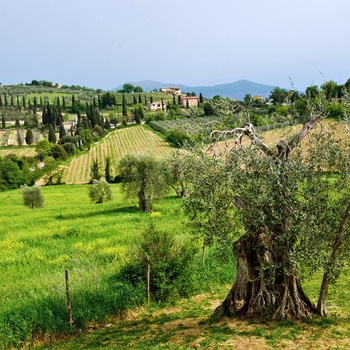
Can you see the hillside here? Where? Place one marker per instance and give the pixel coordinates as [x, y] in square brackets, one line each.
[121, 142]
[236, 90]
[115, 145]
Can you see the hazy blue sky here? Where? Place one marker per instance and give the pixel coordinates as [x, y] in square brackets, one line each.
[105, 43]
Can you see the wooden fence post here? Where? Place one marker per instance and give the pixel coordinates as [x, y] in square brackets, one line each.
[148, 279]
[69, 307]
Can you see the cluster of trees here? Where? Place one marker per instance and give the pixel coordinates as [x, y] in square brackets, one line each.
[16, 171]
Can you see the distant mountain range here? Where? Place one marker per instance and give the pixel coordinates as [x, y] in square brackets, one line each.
[236, 90]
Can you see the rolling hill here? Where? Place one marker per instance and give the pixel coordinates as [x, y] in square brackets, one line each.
[236, 90]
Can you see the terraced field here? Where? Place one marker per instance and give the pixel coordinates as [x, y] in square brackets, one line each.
[115, 145]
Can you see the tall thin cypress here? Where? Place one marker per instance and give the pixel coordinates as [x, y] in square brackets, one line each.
[124, 107]
[3, 120]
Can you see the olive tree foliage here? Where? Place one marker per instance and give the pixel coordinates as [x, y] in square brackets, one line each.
[177, 171]
[142, 177]
[284, 208]
[100, 191]
[33, 197]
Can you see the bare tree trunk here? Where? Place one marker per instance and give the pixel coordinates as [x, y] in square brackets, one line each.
[143, 199]
[261, 288]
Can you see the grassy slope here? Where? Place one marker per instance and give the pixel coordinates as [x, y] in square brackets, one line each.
[90, 240]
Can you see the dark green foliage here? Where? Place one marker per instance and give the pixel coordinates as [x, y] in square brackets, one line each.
[58, 152]
[108, 100]
[29, 137]
[95, 171]
[69, 147]
[278, 95]
[3, 123]
[11, 175]
[52, 134]
[124, 106]
[108, 170]
[62, 130]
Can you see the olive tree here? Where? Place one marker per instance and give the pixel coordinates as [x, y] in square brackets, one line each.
[142, 177]
[33, 197]
[289, 207]
[100, 191]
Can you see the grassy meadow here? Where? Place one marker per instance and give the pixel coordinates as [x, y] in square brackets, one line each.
[92, 241]
[95, 241]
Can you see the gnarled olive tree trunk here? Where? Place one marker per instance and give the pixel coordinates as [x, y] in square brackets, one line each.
[264, 286]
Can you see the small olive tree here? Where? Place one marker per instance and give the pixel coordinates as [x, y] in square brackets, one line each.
[33, 197]
[100, 191]
[142, 177]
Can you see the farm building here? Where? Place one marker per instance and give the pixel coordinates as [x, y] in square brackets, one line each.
[189, 101]
[171, 90]
[156, 106]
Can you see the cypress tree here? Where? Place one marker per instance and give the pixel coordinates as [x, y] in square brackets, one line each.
[5, 98]
[107, 124]
[17, 101]
[63, 103]
[3, 120]
[24, 101]
[73, 104]
[137, 115]
[108, 170]
[12, 101]
[135, 100]
[0, 101]
[140, 99]
[200, 98]
[52, 134]
[62, 130]
[29, 137]
[95, 171]
[124, 107]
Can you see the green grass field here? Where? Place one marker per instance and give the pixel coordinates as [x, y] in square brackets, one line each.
[92, 241]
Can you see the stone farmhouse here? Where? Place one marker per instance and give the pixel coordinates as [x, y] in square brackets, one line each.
[188, 101]
[157, 106]
[171, 90]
